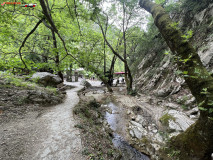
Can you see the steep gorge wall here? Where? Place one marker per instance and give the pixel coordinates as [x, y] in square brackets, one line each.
[157, 74]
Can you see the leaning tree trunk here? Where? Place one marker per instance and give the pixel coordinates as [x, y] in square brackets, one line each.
[130, 79]
[129, 85]
[111, 71]
[197, 140]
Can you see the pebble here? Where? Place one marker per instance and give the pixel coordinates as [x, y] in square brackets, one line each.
[192, 117]
[131, 133]
[155, 131]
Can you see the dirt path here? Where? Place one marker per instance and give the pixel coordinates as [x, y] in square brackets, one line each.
[47, 136]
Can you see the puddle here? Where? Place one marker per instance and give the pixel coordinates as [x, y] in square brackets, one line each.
[117, 121]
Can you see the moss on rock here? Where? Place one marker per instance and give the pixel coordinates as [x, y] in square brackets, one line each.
[165, 119]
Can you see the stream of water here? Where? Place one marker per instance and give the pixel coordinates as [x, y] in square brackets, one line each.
[117, 121]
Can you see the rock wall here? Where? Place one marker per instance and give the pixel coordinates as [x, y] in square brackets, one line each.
[157, 74]
[163, 94]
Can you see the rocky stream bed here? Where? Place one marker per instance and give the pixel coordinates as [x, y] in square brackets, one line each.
[141, 125]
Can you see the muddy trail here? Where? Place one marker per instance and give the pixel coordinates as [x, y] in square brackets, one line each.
[49, 135]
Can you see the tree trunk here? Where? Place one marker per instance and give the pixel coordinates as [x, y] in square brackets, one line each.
[197, 140]
[128, 75]
[129, 85]
[124, 41]
[111, 70]
[103, 79]
[57, 61]
[104, 57]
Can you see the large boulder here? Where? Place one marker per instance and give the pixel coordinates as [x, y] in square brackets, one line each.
[46, 79]
[85, 83]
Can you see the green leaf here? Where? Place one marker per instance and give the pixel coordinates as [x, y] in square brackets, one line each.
[211, 110]
[211, 118]
[185, 72]
[166, 53]
[202, 109]
[201, 103]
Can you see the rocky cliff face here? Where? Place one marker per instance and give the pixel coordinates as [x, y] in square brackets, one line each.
[169, 103]
[157, 72]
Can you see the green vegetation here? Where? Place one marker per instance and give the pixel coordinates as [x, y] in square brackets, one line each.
[183, 99]
[59, 36]
[198, 79]
[56, 38]
[12, 80]
[133, 93]
[166, 118]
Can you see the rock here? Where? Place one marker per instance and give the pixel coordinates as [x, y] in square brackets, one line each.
[163, 92]
[60, 85]
[182, 122]
[128, 112]
[155, 131]
[153, 125]
[137, 133]
[155, 146]
[139, 119]
[131, 133]
[193, 111]
[85, 83]
[174, 126]
[171, 105]
[193, 117]
[133, 117]
[159, 102]
[180, 80]
[136, 124]
[46, 79]
[158, 137]
[190, 101]
[173, 134]
[206, 55]
[2, 108]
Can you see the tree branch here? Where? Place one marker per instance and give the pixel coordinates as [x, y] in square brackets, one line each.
[25, 39]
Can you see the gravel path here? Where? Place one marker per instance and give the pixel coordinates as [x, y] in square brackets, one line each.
[47, 136]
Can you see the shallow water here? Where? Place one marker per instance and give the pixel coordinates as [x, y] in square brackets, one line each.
[117, 122]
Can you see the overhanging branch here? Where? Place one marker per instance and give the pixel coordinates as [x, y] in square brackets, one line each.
[25, 39]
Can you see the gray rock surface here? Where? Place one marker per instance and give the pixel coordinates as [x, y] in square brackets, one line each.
[138, 134]
[136, 124]
[46, 79]
[171, 105]
[182, 122]
[193, 111]
[85, 83]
